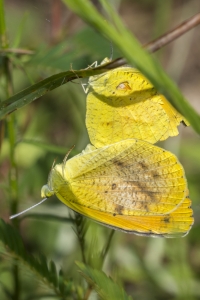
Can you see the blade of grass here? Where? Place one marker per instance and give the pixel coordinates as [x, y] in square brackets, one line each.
[47, 147]
[41, 88]
[3, 37]
[20, 30]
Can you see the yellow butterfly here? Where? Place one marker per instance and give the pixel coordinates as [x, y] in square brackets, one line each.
[130, 185]
[123, 104]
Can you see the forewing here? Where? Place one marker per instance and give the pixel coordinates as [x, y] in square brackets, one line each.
[131, 177]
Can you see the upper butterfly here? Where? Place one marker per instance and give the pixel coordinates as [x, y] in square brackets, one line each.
[123, 104]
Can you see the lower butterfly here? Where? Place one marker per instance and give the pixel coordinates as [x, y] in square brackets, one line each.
[123, 104]
[130, 185]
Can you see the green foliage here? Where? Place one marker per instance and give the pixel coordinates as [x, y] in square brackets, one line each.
[45, 271]
[41, 88]
[105, 287]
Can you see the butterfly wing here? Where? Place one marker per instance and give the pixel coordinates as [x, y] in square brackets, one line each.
[122, 104]
[131, 178]
[175, 224]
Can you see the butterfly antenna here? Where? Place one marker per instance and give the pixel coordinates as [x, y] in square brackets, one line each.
[22, 212]
[49, 176]
[65, 159]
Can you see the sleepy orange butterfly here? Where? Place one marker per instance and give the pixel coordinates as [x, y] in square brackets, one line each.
[130, 185]
[123, 104]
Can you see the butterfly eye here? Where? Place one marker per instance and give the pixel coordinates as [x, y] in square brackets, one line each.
[123, 86]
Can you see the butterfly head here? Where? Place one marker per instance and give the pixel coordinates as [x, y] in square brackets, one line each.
[46, 191]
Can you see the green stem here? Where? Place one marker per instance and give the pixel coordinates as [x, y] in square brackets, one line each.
[103, 256]
[3, 37]
[107, 246]
[88, 292]
[12, 140]
[13, 177]
[80, 229]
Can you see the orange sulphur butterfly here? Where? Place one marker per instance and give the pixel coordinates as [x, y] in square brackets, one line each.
[130, 185]
[123, 104]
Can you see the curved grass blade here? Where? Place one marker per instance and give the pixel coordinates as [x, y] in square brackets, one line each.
[131, 49]
[39, 89]
[48, 147]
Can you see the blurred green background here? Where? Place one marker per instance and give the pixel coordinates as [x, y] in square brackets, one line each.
[147, 268]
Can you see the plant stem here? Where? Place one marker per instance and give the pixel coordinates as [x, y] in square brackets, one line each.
[107, 246]
[88, 292]
[17, 51]
[12, 140]
[12, 174]
[3, 37]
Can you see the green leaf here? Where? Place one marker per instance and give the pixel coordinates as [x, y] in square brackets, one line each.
[45, 272]
[48, 147]
[135, 55]
[106, 288]
[20, 30]
[57, 57]
[41, 88]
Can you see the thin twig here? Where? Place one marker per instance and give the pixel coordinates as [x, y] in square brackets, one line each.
[17, 51]
[80, 230]
[173, 34]
[88, 292]
[107, 246]
[48, 217]
[163, 39]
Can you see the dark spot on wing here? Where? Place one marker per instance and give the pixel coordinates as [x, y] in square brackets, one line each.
[114, 186]
[104, 123]
[166, 219]
[118, 163]
[119, 209]
[143, 165]
[155, 174]
[106, 192]
[140, 188]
